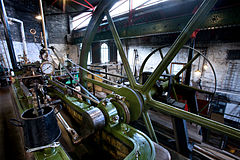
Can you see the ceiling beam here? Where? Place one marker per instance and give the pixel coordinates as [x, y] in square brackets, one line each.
[216, 19]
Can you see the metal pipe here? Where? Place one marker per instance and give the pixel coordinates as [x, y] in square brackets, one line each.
[189, 68]
[68, 72]
[91, 99]
[114, 75]
[94, 74]
[3, 59]
[25, 52]
[61, 85]
[193, 23]
[43, 26]
[5, 51]
[8, 35]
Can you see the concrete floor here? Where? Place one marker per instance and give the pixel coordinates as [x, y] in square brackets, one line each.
[11, 146]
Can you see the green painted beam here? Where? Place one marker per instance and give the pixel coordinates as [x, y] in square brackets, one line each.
[216, 19]
[208, 123]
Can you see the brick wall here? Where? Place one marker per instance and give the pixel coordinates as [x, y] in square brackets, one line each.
[56, 25]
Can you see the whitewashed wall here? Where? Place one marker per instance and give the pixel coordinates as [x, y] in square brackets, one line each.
[228, 71]
[34, 48]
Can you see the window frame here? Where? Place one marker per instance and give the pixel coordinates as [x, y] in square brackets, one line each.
[104, 50]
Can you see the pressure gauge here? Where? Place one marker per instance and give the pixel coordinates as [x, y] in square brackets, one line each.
[47, 67]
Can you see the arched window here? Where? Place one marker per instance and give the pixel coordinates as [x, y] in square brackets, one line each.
[104, 53]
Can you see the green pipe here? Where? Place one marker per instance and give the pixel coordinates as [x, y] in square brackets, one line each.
[208, 123]
[194, 22]
[121, 51]
[149, 126]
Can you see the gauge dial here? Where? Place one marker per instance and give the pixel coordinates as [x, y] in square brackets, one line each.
[47, 67]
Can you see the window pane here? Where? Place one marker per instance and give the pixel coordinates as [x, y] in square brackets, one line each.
[119, 60]
[119, 8]
[81, 20]
[89, 58]
[145, 3]
[104, 53]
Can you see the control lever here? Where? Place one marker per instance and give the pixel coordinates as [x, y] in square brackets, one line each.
[75, 137]
[52, 145]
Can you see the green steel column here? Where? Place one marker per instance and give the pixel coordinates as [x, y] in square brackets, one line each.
[121, 51]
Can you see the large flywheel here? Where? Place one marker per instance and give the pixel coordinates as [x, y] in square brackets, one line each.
[143, 100]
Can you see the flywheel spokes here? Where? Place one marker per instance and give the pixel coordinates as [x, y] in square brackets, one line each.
[144, 90]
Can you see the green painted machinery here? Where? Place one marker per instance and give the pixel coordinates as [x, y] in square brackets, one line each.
[144, 90]
[107, 121]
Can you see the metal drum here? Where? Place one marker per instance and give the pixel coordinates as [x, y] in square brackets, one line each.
[40, 130]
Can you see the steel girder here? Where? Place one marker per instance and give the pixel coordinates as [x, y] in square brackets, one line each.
[216, 19]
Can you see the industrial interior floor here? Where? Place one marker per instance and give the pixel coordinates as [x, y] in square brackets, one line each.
[11, 143]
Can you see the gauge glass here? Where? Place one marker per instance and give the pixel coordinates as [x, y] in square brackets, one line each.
[47, 68]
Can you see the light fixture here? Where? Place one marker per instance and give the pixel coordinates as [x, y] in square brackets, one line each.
[205, 66]
[10, 22]
[198, 72]
[38, 17]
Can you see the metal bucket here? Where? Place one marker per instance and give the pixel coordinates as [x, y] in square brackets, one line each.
[39, 130]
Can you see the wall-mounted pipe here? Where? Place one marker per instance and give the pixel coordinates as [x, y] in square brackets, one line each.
[8, 35]
[43, 26]
[25, 52]
[5, 51]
